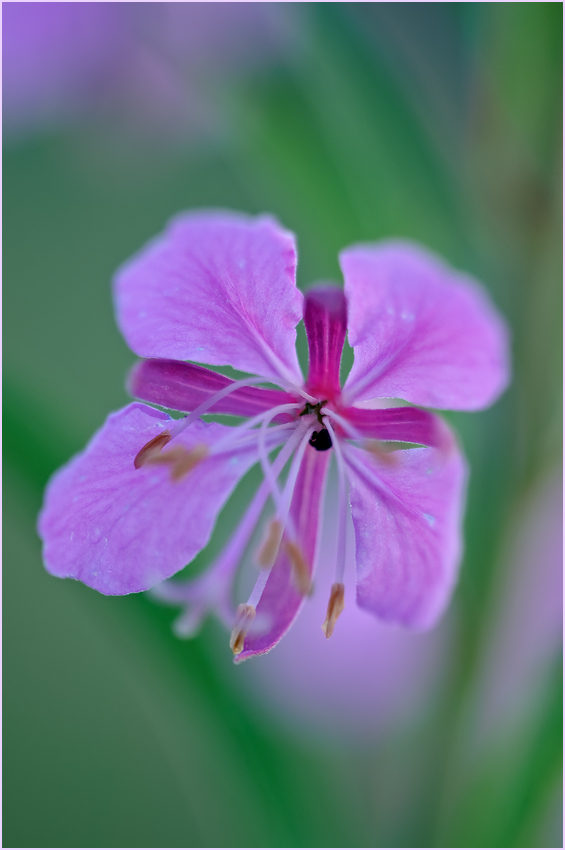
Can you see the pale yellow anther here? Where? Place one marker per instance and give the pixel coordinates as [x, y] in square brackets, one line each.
[378, 449]
[244, 617]
[186, 459]
[180, 459]
[335, 607]
[300, 572]
[270, 548]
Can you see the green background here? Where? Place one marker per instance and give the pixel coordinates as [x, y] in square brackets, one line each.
[436, 122]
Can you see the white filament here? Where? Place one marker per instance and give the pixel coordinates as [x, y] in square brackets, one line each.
[341, 507]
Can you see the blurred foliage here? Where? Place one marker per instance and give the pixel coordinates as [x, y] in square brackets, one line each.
[435, 122]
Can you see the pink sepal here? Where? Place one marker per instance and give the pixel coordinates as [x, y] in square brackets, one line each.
[402, 424]
[184, 386]
[325, 319]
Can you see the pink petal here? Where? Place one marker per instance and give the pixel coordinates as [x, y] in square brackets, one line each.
[407, 522]
[119, 529]
[325, 318]
[402, 424]
[183, 386]
[420, 330]
[281, 603]
[217, 288]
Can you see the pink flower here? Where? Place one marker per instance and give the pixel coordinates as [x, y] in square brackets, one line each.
[141, 501]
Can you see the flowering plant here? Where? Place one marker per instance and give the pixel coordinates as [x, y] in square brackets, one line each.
[219, 288]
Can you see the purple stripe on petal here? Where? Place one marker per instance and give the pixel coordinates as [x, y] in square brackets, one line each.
[325, 318]
[402, 424]
[280, 602]
[407, 522]
[121, 530]
[183, 386]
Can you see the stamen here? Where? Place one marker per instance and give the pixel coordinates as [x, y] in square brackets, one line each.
[245, 427]
[270, 548]
[336, 605]
[264, 459]
[260, 585]
[286, 499]
[181, 460]
[378, 450]
[352, 432]
[365, 471]
[214, 586]
[299, 567]
[210, 402]
[151, 448]
[185, 461]
[300, 574]
[277, 434]
[244, 617]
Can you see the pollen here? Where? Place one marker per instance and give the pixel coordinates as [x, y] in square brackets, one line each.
[180, 459]
[300, 572]
[379, 451]
[336, 605]
[151, 448]
[270, 548]
[184, 460]
[244, 617]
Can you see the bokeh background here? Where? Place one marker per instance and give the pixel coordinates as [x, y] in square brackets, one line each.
[440, 122]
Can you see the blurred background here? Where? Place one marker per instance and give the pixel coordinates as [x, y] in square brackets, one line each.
[440, 122]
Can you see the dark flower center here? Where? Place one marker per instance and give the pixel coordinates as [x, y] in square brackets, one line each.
[314, 408]
[321, 440]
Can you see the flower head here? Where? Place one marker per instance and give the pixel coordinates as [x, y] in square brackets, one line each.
[219, 288]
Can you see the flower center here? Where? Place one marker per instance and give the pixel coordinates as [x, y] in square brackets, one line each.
[314, 408]
[320, 440]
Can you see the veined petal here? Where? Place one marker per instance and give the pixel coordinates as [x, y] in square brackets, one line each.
[401, 424]
[119, 529]
[184, 386]
[420, 330]
[407, 523]
[280, 603]
[217, 288]
[325, 319]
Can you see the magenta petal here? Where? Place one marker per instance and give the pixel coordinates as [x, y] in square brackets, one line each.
[325, 319]
[280, 602]
[119, 529]
[402, 424]
[216, 288]
[407, 522]
[420, 330]
[183, 386]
